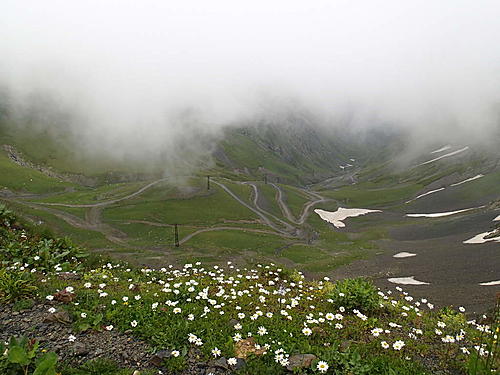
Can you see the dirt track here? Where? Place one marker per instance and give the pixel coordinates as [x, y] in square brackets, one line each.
[93, 220]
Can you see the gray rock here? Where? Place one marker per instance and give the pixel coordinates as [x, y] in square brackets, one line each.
[299, 361]
[58, 317]
[240, 363]
[81, 350]
[220, 362]
[69, 276]
[159, 357]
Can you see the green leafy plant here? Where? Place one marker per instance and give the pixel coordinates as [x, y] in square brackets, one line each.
[484, 359]
[99, 367]
[357, 293]
[16, 284]
[21, 357]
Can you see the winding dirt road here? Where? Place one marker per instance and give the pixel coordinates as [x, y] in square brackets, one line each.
[93, 220]
[305, 211]
[109, 202]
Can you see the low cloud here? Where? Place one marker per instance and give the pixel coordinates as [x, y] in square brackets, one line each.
[144, 78]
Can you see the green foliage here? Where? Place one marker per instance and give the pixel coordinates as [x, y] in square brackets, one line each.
[7, 217]
[386, 365]
[485, 358]
[176, 364]
[18, 247]
[23, 304]
[164, 306]
[357, 293]
[16, 284]
[98, 367]
[21, 357]
[93, 321]
[43, 254]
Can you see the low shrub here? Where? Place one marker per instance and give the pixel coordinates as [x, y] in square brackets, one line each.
[16, 284]
[357, 294]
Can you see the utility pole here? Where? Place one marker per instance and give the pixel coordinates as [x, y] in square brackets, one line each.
[208, 182]
[176, 236]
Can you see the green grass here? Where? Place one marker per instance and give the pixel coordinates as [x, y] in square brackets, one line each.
[63, 153]
[208, 209]
[90, 239]
[26, 180]
[236, 242]
[370, 195]
[303, 254]
[79, 212]
[186, 202]
[270, 204]
[294, 198]
[94, 195]
[349, 324]
[242, 149]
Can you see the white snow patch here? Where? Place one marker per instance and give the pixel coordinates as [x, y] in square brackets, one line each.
[444, 148]
[352, 159]
[404, 254]
[341, 167]
[341, 214]
[497, 282]
[406, 281]
[423, 195]
[497, 218]
[481, 238]
[444, 156]
[441, 214]
[469, 179]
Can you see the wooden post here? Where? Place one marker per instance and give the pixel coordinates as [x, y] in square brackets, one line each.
[208, 182]
[265, 178]
[277, 180]
[176, 236]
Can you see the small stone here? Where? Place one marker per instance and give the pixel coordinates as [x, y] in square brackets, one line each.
[64, 296]
[344, 345]
[81, 350]
[220, 362]
[58, 317]
[244, 348]
[319, 331]
[299, 361]
[159, 357]
[240, 363]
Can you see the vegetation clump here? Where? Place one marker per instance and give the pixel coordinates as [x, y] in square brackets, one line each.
[263, 319]
[357, 294]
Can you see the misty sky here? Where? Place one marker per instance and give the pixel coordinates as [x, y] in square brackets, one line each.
[123, 64]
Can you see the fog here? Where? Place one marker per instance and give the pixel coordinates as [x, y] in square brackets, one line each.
[154, 76]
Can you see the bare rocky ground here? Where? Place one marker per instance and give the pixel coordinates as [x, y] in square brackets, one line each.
[52, 330]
